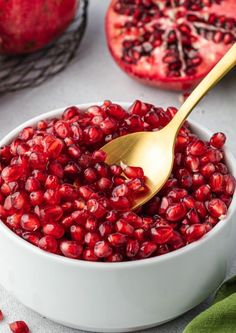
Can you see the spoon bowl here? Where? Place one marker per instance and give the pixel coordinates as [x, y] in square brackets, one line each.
[152, 151]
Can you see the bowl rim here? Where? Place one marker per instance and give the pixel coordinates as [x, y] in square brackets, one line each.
[115, 265]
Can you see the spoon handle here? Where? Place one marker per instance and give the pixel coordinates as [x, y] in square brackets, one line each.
[214, 76]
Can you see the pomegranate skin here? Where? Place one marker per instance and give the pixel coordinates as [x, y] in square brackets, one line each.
[27, 26]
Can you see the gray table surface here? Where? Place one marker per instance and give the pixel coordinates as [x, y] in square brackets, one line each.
[93, 76]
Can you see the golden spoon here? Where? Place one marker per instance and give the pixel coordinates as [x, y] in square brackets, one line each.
[154, 151]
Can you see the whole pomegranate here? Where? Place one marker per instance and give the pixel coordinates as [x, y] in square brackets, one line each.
[27, 26]
[171, 44]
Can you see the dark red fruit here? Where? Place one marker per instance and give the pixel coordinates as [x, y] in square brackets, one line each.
[170, 44]
[19, 32]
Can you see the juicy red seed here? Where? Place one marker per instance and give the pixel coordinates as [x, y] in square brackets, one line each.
[53, 229]
[117, 239]
[207, 170]
[71, 249]
[147, 249]
[195, 232]
[132, 248]
[218, 140]
[165, 203]
[112, 216]
[120, 203]
[161, 235]
[106, 228]
[19, 327]
[116, 170]
[30, 222]
[121, 190]
[1, 315]
[95, 208]
[135, 184]
[211, 156]
[14, 220]
[193, 216]
[99, 156]
[91, 238]
[216, 182]
[177, 194]
[104, 184]
[198, 180]
[32, 237]
[175, 212]
[197, 148]
[91, 223]
[102, 249]
[48, 243]
[139, 234]
[93, 134]
[77, 233]
[217, 208]
[132, 172]
[115, 257]
[203, 193]
[70, 112]
[222, 168]
[189, 201]
[192, 163]
[229, 185]
[124, 227]
[90, 175]
[36, 198]
[12, 173]
[201, 208]
[116, 111]
[89, 255]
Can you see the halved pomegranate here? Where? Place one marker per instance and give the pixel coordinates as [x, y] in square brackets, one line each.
[171, 44]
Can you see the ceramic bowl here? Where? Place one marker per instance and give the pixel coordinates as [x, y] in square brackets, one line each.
[116, 297]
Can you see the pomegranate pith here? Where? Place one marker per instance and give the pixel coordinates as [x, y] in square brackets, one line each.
[68, 201]
[170, 44]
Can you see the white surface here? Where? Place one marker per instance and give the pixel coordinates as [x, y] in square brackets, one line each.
[94, 76]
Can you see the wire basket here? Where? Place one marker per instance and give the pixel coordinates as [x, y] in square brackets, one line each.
[19, 72]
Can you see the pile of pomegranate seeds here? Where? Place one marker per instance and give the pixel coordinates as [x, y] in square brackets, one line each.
[57, 192]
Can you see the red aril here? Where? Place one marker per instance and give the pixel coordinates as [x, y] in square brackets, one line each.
[19, 327]
[71, 249]
[169, 44]
[26, 27]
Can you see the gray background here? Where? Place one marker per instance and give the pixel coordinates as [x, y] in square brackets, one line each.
[93, 76]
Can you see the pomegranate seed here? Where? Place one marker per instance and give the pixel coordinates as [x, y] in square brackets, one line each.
[90, 175]
[104, 184]
[229, 185]
[198, 180]
[48, 243]
[116, 257]
[19, 327]
[12, 173]
[218, 140]
[71, 249]
[196, 148]
[30, 222]
[89, 255]
[207, 170]
[193, 217]
[222, 168]
[192, 163]
[132, 248]
[203, 193]
[53, 229]
[121, 190]
[95, 208]
[147, 249]
[175, 212]
[99, 156]
[117, 239]
[161, 235]
[132, 172]
[1, 315]
[216, 182]
[77, 233]
[124, 227]
[32, 237]
[217, 208]
[195, 232]
[102, 249]
[177, 194]
[91, 238]
[120, 203]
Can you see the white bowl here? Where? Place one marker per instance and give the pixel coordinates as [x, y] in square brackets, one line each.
[116, 297]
